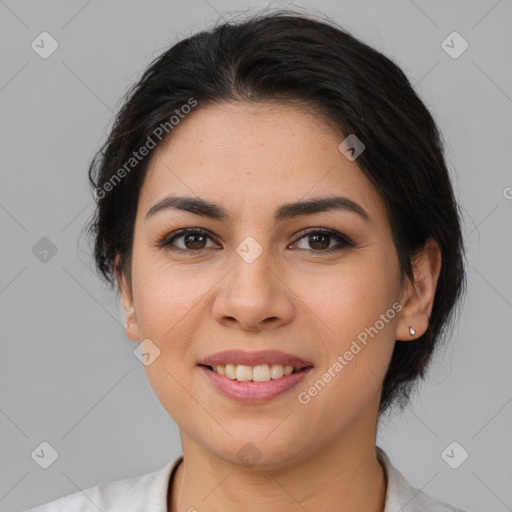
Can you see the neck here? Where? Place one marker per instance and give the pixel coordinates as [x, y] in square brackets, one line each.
[345, 476]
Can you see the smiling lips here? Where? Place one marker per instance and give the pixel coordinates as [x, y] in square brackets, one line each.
[254, 377]
[242, 357]
[260, 366]
[258, 373]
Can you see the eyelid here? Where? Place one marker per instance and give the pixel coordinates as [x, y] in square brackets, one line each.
[343, 239]
[168, 239]
[325, 231]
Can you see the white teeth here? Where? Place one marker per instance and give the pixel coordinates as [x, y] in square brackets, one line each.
[259, 373]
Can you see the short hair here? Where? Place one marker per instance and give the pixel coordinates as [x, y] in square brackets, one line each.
[289, 57]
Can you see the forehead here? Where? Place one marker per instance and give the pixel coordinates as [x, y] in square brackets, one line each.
[246, 156]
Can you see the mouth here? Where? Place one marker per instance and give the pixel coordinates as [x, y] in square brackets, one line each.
[253, 386]
[257, 373]
[259, 366]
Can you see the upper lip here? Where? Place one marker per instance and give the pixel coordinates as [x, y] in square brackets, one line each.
[255, 358]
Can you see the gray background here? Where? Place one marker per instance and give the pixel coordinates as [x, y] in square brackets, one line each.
[68, 374]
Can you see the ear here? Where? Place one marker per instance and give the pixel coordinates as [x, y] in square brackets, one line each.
[131, 328]
[417, 299]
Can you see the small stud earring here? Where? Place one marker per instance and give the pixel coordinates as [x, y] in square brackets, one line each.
[412, 331]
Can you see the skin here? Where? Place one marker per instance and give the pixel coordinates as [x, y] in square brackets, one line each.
[294, 297]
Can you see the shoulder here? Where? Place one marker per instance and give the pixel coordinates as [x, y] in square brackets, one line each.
[402, 497]
[143, 492]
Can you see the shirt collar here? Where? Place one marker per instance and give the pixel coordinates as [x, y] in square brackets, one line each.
[149, 492]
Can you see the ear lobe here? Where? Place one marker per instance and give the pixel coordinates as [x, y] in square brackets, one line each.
[130, 318]
[418, 297]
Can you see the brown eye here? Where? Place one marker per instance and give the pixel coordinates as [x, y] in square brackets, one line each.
[193, 240]
[320, 240]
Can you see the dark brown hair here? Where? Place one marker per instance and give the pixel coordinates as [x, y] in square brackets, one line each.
[288, 56]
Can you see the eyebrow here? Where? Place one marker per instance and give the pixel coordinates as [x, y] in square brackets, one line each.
[286, 211]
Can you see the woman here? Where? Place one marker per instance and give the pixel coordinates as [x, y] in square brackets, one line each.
[275, 210]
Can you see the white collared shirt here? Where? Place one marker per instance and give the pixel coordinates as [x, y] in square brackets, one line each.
[148, 493]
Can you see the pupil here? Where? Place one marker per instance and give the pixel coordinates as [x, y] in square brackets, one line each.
[189, 237]
[313, 238]
[323, 245]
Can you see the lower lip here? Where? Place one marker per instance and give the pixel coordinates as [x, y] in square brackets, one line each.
[255, 392]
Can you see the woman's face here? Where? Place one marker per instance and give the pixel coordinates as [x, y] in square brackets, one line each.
[256, 283]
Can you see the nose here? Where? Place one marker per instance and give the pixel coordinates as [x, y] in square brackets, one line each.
[254, 296]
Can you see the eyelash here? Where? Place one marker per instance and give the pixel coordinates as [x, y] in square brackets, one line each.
[343, 240]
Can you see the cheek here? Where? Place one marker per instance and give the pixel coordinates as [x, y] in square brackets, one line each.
[349, 297]
[165, 298]
[167, 308]
[354, 316]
